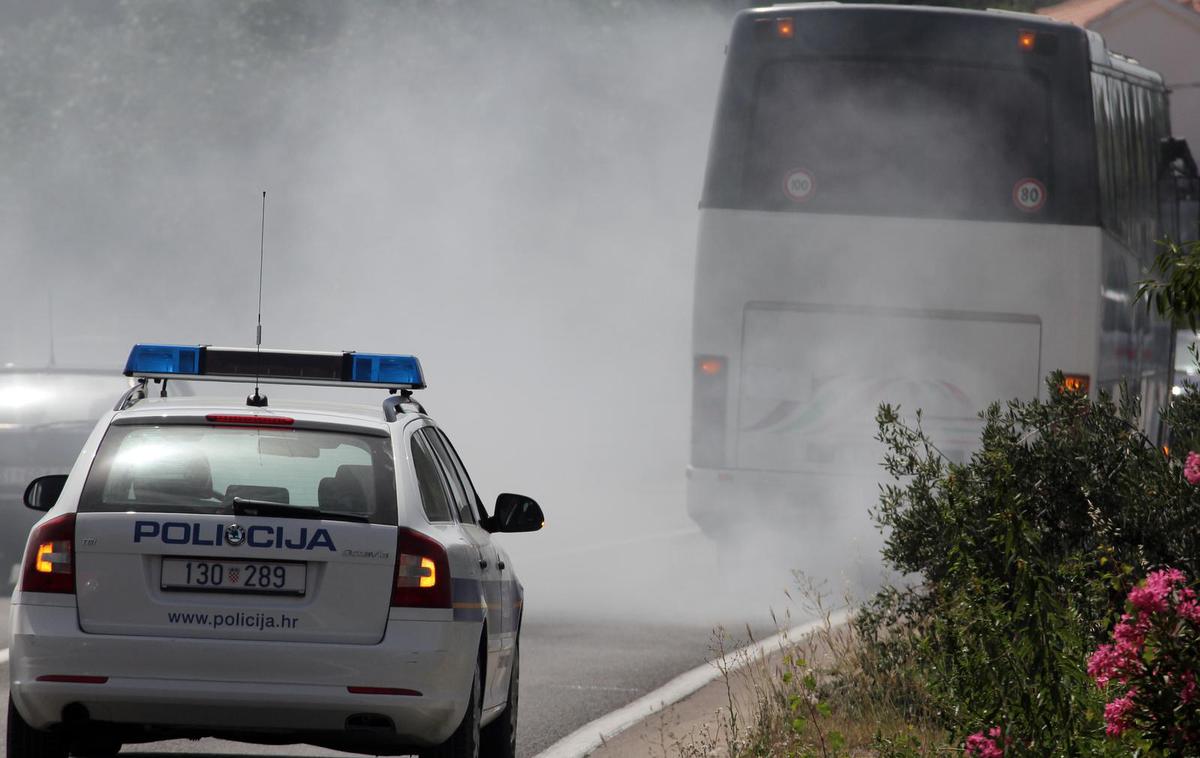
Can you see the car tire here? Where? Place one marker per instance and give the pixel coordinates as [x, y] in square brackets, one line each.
[101, 749]
[499, 738]
[26, 742]
[464, 743]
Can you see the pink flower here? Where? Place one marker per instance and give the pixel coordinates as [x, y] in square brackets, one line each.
[1191, 468]
[1116, 714]
[1162, 582]
[1190, 610]
[1147, 600]
[1189, 691]
[1103, 664]
[1152, 596]
[980, 746]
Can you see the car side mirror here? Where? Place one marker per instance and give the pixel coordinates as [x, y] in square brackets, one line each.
[42, 493]
[515, 513]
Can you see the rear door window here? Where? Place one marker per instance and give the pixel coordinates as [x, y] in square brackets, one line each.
[434, 497]
[463, 476]
[464, 504]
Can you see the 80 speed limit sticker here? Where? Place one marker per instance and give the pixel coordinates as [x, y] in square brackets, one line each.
[1029, 195]
[799, 185]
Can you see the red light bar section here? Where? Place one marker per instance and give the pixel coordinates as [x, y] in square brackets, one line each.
[383, 691]
[219, 418]
[72, 679]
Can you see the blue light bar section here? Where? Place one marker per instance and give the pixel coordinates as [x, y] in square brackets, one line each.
[231, 364]
[387, 370]
[163, 359]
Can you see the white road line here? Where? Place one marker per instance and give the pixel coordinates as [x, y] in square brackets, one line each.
[587, 738]
[590, 688]
[3, 656]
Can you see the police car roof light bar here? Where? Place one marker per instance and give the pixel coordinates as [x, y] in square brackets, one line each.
[233, 364]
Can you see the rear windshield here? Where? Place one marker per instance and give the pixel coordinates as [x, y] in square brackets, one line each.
[201, 469]
[893, 137]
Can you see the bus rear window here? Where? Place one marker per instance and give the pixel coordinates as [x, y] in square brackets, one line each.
[899, 138]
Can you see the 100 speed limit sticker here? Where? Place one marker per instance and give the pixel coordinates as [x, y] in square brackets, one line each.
[1029, 195]
[799, 185]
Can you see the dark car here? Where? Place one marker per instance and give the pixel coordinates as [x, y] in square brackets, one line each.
[45, 417]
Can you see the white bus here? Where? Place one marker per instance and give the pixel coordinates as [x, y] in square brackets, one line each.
[926, 206]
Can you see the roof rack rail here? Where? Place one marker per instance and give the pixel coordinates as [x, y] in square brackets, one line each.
[132, 395]
[394, 405]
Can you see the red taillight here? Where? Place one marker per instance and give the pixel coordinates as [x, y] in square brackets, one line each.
[1026, 39]
[422, 578]
[73, 679]
[785, 28]
[383, 691]
[221, 418]
[50, 557]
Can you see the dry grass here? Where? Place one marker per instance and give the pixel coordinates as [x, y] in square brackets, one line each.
[824, 695]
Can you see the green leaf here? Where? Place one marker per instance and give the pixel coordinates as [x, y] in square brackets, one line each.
[836, 740]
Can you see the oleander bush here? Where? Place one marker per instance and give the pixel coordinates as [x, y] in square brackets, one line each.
[1023, 560]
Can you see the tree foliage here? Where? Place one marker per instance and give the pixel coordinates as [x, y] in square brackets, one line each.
[1175, 294]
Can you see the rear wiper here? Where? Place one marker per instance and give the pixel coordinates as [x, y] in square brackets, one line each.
[246, 507]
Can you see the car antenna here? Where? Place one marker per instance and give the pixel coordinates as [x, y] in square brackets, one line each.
[256, 400]
[50, 308]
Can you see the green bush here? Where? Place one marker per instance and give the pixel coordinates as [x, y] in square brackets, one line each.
[1021, 558]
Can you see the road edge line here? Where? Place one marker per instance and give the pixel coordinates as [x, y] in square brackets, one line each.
[592, 735]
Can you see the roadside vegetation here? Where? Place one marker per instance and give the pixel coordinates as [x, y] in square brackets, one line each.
[1051, 603]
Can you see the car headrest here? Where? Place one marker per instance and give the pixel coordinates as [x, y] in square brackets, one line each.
[343, 492]
[364, 475]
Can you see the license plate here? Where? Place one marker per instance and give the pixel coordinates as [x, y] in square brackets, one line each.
[211, 575]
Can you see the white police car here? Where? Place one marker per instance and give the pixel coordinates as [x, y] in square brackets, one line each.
[286, 573]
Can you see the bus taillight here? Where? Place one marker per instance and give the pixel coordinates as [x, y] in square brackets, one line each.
[711, 366]
[709, 389]
[1076, 383]
[1026, 40]
[785, 28]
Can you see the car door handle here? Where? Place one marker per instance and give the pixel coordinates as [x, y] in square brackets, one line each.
[500, 565]
[483, 564]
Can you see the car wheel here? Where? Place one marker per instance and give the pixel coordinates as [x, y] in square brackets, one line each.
[100, 749]
[499, 738]
[26, 742]
[464, 743]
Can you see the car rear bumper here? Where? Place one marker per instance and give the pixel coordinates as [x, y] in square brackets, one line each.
[232, 686]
